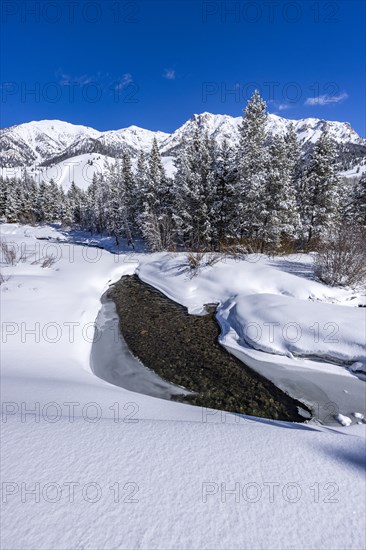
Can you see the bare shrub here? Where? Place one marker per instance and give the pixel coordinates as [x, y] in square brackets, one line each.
[8, 253]
[194, 259]
[197, 260]
[3, 279]
[340, 259]
[238, 249]
[48, 261]
[212, 258]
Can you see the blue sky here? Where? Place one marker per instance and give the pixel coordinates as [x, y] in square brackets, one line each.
[111, 64]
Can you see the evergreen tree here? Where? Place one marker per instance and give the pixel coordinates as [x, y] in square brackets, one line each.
[194, 190]
[113, 205]
[252, 170]
[156, 218]
[74, 196]
[141, 185]
[13, 201]
[40, 202]
[225, 197]
[293, 156]
[320, 200]
[128, 190]
[359, 201]
[4, 183]
[53, 202]
[282, 218]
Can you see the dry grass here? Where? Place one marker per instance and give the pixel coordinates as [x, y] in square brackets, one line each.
[48, 261]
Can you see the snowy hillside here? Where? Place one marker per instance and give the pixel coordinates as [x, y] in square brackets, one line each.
[55, 144]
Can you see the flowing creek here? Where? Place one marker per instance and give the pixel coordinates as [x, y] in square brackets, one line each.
[165, 352]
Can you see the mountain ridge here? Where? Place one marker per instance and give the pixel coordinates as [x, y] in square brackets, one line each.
[39, 145]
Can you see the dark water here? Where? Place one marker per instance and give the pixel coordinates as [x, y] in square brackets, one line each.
[183, 350]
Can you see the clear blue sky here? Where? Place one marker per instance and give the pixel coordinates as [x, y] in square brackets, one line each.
[110, 64]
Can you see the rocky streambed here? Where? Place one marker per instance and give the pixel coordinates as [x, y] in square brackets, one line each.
[183, 350]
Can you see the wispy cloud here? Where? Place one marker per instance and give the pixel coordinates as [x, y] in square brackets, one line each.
[124, 81]
[277, 106]
[65, 79]
[104, 81]
[326, 99]
[169, 74]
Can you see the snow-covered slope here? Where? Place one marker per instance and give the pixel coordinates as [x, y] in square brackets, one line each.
[79, 169]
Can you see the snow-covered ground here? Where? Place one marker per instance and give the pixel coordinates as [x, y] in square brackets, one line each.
[89, 465]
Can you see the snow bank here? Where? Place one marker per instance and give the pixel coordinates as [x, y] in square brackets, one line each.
[270, 309]
[288, 326]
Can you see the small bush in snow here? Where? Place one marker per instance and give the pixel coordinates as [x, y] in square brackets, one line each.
[3, 279]
[48, 261]
[8, 253]
[196, 260]
[341, 258]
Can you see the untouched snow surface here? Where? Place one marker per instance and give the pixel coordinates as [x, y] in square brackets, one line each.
[88, 465]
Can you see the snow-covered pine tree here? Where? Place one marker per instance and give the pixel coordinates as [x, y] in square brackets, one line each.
[4, 182]
[225, 194]
[156, 219]
[113, 204]
[252, 165]
[90, 213]
[293, 155]
[321, 190]
[282, 221]
[13, 201]
[128, 193]
[141, 185]
[194, 190]
[64, 210]
[30, 200]
[358, 211]
[74, 196]
[53, 202]
[40, 202]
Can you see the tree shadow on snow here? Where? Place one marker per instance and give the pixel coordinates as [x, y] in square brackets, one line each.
[301, 269]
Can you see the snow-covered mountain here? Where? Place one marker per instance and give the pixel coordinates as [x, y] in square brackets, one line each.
[54, 144]
[48, 141]
[34, 142]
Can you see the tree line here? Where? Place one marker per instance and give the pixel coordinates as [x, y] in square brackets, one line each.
[262, 193]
